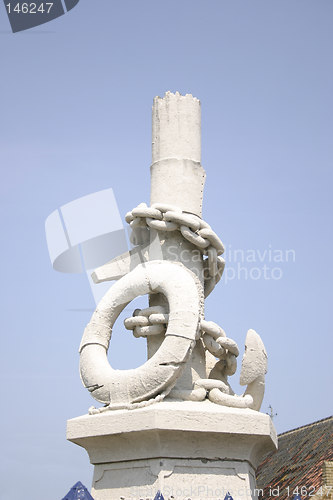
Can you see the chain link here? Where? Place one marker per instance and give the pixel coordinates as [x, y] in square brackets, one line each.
[154, 320]
[163, 217]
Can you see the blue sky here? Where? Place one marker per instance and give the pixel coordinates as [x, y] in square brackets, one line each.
[76, 98]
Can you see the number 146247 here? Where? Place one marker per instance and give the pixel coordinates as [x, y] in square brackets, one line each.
[30, 8]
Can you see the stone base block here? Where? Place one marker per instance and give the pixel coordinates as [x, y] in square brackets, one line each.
[184, 449]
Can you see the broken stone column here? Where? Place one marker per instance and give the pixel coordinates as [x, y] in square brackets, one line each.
[177, 179]
[174, 424]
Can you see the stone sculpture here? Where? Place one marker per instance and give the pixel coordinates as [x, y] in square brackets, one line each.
[177, 262]
[200, 440]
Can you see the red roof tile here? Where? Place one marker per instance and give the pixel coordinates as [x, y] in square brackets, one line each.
[297, 463]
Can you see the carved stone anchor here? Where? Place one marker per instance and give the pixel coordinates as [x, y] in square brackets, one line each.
[189, 358]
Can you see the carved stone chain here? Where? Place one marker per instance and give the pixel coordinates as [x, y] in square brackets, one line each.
[163, 217]
[154, 320]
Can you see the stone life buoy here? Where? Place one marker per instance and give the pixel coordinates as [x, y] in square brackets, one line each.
[123, 388]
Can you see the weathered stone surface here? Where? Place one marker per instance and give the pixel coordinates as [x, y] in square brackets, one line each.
[166, 233]
[176, 425]
[124, 387]
[199, 443]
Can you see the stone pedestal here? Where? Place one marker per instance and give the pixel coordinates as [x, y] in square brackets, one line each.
[196, 450]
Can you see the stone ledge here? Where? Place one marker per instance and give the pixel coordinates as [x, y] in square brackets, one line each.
[186, 416]
[174, 430]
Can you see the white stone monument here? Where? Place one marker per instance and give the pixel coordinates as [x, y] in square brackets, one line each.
[174, 424]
